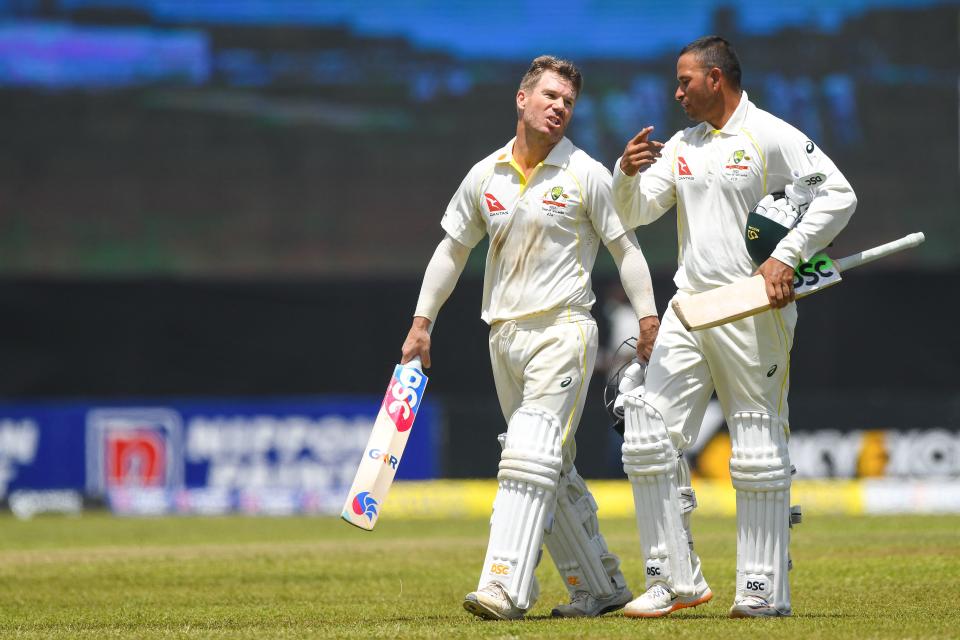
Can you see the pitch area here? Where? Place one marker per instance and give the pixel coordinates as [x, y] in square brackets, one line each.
[99, 577]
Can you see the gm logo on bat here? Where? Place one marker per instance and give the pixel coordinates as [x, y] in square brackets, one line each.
[388, 458]
[403, 396]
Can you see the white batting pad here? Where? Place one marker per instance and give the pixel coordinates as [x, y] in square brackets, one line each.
[576, 545]
[760, 469]
[529, 472]
[650, 462]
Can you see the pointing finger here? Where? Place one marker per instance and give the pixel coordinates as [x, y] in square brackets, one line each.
[642, 135]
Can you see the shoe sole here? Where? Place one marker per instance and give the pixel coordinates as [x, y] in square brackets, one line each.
[679, 605]
[607, 609]
[481, 611]
[744, 613]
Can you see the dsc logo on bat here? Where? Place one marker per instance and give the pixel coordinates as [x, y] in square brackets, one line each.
[403, 396]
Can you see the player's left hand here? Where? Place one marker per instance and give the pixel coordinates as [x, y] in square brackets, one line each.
[649, 328]
[779, 280]
[631, 382]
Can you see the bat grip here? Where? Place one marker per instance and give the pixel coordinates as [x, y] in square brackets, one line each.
[869, 255]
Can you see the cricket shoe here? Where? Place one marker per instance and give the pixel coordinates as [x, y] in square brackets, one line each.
[659, 600]
[756, 607]
[491, 602]
[587, 605]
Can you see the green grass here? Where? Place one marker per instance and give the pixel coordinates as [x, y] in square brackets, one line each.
[101, 577]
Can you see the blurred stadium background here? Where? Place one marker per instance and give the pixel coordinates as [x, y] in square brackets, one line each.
[214, 217]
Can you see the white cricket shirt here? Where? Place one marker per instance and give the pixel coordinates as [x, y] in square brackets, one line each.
[715, 177]
[544, 231]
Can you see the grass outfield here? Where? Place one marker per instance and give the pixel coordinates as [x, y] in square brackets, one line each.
[99, 577]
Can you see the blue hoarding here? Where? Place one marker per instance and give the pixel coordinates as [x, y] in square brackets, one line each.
[283, 455]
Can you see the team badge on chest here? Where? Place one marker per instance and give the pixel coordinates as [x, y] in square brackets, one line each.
[738, 166]
[555, 201]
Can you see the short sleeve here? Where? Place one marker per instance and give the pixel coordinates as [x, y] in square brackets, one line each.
[463, 219]
[598, 185]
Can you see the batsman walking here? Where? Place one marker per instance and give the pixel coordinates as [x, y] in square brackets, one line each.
[546, 206]
[717, 173]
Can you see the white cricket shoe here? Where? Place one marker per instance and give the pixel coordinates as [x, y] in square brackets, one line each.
[756, 607]
[659, 600]
[492, 603]
[586, 605]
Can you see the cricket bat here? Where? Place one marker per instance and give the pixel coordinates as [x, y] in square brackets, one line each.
[385, 446]
[748, 297]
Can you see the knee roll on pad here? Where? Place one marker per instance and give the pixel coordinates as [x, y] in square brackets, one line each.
[760, 469]
[526, 494]
[650, 462]
[575, 543]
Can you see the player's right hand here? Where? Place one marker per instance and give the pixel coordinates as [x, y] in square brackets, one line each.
[778, 278]
[640, 153]
[417, 343]
[649, 328]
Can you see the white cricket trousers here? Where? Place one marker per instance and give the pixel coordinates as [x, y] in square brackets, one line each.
[546, 361]
[747, 362]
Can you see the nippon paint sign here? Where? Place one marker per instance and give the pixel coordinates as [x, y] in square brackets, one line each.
[283, 455]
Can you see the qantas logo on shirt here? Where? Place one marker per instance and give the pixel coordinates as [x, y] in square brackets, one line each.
[682, 169]
[493, 205]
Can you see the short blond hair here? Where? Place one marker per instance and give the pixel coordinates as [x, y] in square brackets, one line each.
[563, 68]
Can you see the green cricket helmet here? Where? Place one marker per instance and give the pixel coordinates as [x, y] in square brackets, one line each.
[765, 228]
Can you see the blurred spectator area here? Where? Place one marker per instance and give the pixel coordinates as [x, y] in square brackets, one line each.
[215, 139]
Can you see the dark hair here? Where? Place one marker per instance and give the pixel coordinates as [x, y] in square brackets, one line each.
[563, 68]
[714, 51]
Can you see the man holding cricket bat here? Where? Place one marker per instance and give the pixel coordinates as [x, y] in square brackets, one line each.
[716, 173]
[547, 207]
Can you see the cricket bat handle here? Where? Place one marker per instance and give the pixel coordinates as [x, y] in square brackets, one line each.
[869, 255]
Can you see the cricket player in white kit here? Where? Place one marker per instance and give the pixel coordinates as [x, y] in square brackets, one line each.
[715, 173]
[547, 207]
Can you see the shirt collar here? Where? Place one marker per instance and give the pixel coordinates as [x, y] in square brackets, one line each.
[735, 123]
[559, 156]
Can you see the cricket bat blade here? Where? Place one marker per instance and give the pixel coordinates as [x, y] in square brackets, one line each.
[748, 297]
[384, 449]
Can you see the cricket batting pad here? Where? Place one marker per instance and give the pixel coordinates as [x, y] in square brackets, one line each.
[760, 470]
[576, 545]
[529, 472]
[650, 462]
